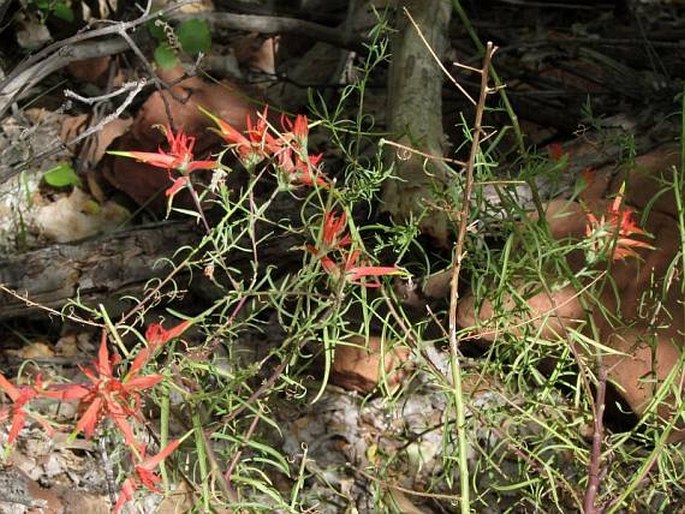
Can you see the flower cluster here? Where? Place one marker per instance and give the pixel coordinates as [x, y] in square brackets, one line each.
[288, 149]
[105, 396]
[333, 238]
[613, 233]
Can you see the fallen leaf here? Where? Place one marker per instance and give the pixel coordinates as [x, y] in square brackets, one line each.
[359, 365]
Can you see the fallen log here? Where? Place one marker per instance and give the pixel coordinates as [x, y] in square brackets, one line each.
[96, 270]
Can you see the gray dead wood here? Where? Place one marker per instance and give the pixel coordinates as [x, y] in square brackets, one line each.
[415, 115]
[98, 270]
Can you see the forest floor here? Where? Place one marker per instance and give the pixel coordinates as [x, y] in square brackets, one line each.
[246, 305]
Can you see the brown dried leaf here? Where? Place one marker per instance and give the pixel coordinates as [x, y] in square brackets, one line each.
[357, 364]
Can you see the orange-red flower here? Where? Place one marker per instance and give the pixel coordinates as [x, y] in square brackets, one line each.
[143, 475]
[252, 149]
[333, 227]
[556, 151]
[334, 239]
[349, 271]
[299, 129]
[20, 396]
[109, 397]
[615, 232]
[290, 162]
[179, 157]
[289, 149]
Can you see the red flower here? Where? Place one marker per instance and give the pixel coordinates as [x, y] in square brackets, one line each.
[350, 272]
[20, 396]
[556, 151]
[262, 141]
[156, 335]
[333, 227]
[180, 155]
[253, 148]
[615, 232]
[332, 239]
[299, 129]
[180, 158]
[289, 161]
[143, 475]
[109, 397]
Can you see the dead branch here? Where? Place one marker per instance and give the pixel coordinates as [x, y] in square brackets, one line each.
[95, 270]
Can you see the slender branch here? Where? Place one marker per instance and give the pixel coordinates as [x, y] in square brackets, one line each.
[589, 503]
[495, 76]
[456, 270]
[280, 24]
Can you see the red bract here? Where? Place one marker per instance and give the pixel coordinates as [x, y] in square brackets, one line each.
[333, 227]
[254, 148]
[299, 129]
[354, 274]
[332, 240]
[143, 475]
[617, 228]
[556, 151]
[289, 149]
[262, 141]
[180, 158]
[289, 161]
[20, 396]
[156, 336]
[107, 396]
[350, 272]
[180, 155]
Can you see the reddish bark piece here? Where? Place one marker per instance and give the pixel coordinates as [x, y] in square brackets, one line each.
[143, 182]
[361, 365]
[94, 71]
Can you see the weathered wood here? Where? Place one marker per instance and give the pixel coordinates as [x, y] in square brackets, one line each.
[415, 114]
[97, 270]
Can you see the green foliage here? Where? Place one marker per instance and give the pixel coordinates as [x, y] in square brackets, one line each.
[57, 8]
[194, 36]
[165, 56]
[62, 175]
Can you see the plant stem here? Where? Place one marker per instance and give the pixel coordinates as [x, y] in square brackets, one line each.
[589, 506]
[460, 408]
[456, 4]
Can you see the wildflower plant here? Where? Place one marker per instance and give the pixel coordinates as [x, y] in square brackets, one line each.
[613, 234]
[104, 398]
[328, 283]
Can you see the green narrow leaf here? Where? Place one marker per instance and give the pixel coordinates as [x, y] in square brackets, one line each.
[194, 36]
[62, 175]
[165, 56]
